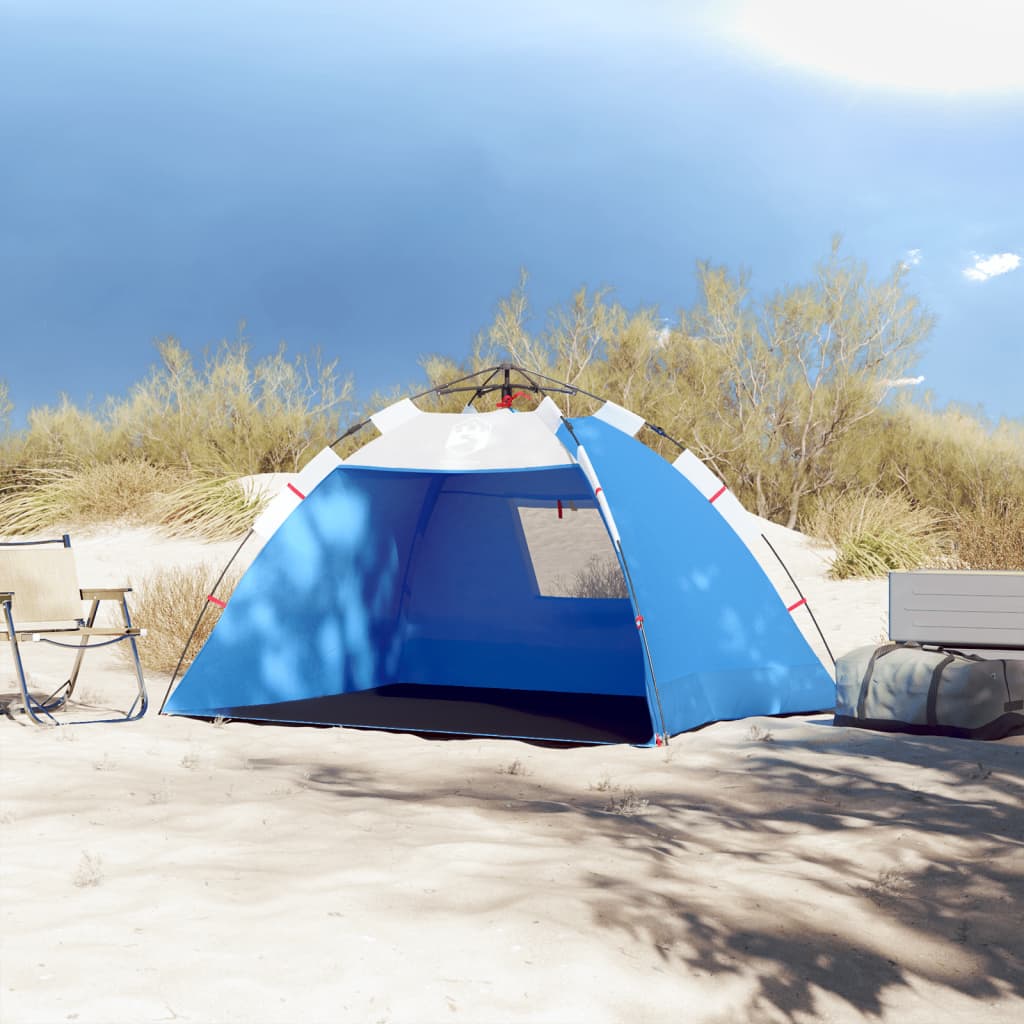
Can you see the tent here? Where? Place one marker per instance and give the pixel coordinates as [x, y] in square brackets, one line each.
[442, 579]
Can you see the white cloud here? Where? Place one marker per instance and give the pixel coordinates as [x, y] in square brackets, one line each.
[985, 267]
[912, 258]
[900, 44]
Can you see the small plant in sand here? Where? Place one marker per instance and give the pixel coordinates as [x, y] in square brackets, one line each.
[89, 872]
[890, 883]
[627, 802]
[759, 735]
[167, 603]
[190, 759]
[602, 785]
[515, 767]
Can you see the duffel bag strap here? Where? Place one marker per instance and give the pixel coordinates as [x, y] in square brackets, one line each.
[931, 715]
[865, 684]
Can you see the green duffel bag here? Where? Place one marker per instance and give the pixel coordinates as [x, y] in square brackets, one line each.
[905, 687]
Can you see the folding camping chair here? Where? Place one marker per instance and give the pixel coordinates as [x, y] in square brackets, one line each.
[42, 602]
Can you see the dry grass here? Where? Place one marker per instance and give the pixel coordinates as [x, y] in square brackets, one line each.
[123, 491]
[167, 602]
[214, 509]
[992, 537]
[874, 533]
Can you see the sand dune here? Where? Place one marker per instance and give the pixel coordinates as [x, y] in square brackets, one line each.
[763, 870]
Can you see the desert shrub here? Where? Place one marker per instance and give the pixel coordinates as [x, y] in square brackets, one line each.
[43, 499]
[233, 416]
[952, 461]
[874, 533]
[764, 389]
[230, 416]
[214, 509]
[992, 536]
[167, 602]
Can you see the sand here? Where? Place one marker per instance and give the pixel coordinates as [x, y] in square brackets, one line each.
[762, 870]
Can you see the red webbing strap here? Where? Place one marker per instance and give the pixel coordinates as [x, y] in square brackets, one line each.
[217, 601]
[796, 604]
[296, 491]
[714, 497]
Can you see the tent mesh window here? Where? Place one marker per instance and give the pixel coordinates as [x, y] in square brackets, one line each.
[571, 552]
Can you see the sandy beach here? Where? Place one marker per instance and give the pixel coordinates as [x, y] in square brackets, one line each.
[760, 870]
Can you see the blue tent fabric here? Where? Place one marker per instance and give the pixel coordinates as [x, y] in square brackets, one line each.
[721, 641]
[406, 599]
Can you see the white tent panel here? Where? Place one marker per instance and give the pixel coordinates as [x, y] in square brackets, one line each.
[395, 416]
[549, 414]
[620, 418]
[452, 442]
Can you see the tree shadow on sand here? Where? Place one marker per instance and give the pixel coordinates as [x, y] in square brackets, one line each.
[697, 868]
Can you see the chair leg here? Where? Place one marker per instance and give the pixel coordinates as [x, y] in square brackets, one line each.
[141, 702]
[28, 701]
[34, 708]
[73, 678]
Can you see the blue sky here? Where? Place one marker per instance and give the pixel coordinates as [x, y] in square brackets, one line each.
[370, 178]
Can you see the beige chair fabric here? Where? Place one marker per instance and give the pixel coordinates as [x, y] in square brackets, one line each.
[44, 582]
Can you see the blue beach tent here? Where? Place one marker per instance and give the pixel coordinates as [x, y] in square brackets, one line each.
[505, 573]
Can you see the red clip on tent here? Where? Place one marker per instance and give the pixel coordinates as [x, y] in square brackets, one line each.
[505, 573]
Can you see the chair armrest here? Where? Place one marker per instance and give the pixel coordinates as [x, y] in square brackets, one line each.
[6, 596]
[103, 593]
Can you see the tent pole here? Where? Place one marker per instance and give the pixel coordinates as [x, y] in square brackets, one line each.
[806, 603]
[199, 618]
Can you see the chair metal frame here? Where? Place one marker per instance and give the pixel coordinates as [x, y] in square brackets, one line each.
[42, 712]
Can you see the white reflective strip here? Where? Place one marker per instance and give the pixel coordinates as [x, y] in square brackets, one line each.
[620, 418]
[316, 469]
[282, 506]
[549, 414]
[588, 471]
[733, 512]
[698, 474]
[395, 415]
[268, 521]
[726, 503]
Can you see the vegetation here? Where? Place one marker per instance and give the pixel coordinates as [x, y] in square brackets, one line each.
[874, 532]
[170, 451]
[166, 604]
[793, 399]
